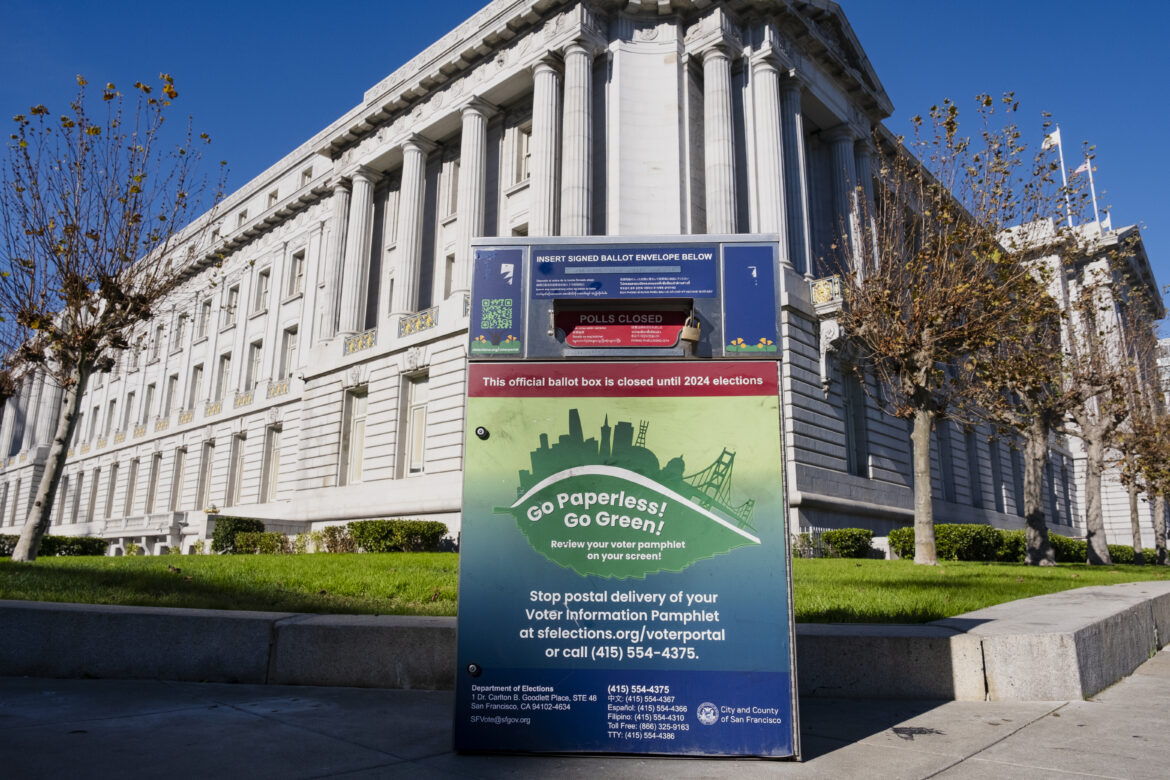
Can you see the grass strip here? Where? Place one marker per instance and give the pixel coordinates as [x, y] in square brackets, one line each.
[826, 590]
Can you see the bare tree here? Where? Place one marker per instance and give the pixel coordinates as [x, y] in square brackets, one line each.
[938, 287]
[91, 206]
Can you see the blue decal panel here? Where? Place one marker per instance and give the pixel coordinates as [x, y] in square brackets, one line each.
[497, 310]
[749, 301]
[617, 271]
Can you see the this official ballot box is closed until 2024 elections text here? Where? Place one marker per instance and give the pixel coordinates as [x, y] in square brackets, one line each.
[624, 582]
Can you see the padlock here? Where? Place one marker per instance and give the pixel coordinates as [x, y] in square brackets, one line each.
[690, 330]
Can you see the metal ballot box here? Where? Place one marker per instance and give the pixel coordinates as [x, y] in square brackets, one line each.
[624, 581]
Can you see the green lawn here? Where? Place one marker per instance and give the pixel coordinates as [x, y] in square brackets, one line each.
[425, 584]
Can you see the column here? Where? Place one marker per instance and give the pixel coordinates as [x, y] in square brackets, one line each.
[313, 293]
[472, 189]
[770, 168]
[6, 426]
[49, 411]
[546, 98]
[867, 219]
[795, 175]
[410, 217]
[844, 179]
[272, 331]
[718, 148]
[577, 149]
[334, 261]
[32, 411]
[356, 267]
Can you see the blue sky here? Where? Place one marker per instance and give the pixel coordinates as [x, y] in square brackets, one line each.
[262, 77]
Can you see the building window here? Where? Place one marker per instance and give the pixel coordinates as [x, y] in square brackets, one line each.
[111, 415]
[196, 386]
[452, 187]
[77, 431]
[241, 218]
[129, 410]
[353, 436]
[856, 432]
[223, 377]
[269, 478]
[133, 355]
[93, 420]
[152, 482]
[62, 492]
[306, 177]
[3, 501]
[255, 352]
[230, 307]
[147, 403]
[156, 345]
[93, 488]
[131, 486]
[523, 153]
[942, 431]
[997, 475]
[973, 475]
[260, 300]
[1018, 480]
[296, 273]
[169, 398]
[15, 502]
[231, 496]
[180, 333]
[204, 319]
[203, 488]
[273, 197]
[414, 425]
[111, 484]
[288, 352]
[177, 478]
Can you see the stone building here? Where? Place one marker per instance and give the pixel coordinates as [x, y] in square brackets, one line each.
[318, 377]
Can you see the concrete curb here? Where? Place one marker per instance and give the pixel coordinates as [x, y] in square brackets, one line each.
[1059, 647]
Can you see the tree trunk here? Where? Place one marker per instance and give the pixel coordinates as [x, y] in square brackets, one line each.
[924, 548]
[41, 512]
[1160, 527]
[1135, 525]
[1038, 549]
[1094, 519]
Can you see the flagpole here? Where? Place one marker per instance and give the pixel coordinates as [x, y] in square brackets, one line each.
[1093, 190]
[1064, 177]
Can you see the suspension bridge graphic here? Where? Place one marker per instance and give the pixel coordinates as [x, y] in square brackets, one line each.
[709, 487]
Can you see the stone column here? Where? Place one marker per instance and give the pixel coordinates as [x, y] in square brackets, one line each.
[577, 149]
[272, 332]
[472, 189]
[6, 425]
[867, 219]
[356, 271]
[313, 294]
[770, 168]
[844, 189]
[32, 411]
[546, 99]
[334, 261]
[410, 220]
[795, 176]
[49, 410]
[718, 146]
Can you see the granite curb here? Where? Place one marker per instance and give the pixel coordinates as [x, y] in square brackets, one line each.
[1059, 647]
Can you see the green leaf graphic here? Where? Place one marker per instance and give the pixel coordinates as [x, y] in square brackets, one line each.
[613, 522]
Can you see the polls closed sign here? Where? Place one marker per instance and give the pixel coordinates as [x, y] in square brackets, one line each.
[623, 575]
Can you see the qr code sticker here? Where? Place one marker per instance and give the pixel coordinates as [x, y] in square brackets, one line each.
[497, 314]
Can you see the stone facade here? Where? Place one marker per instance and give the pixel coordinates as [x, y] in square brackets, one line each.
[318, 376]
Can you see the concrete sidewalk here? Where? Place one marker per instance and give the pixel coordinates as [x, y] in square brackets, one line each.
[130, 728]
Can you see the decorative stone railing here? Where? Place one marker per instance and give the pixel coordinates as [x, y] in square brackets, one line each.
[360, 341]
[215, 407]
[416, 323]
[278, 388]
[244, 399]
[186, 416]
